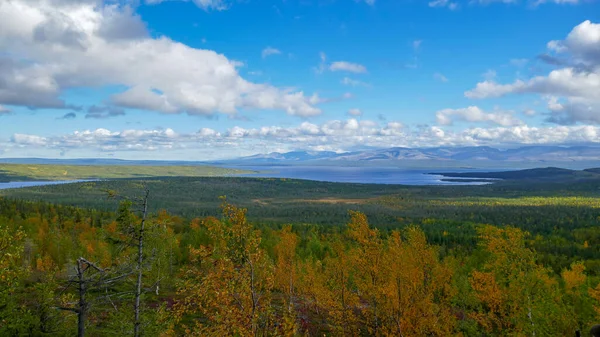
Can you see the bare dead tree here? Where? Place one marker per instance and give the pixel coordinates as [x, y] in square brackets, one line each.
[89, 277]
[137, 235]
[140, 261]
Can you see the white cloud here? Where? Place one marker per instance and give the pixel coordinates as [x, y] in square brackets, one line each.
[354, 112]
[476, 115]
[56, 45]
[444, 3]
[562, 82]
[583, 43]
[573, 89]
[31, 140]
[4, 110]
[440, 77]
[347, 66]
[207, 5]
[571, 110]
[270, 51]
[335, 134]
[354, 83]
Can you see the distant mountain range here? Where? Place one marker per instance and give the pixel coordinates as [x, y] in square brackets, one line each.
[531, 154]
[480, 156]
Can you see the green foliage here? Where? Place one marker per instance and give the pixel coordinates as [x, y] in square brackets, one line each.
[42, 172]
[479, 260]
[564, 215]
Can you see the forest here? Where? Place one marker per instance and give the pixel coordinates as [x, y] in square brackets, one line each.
[133, 268]
[45, 172]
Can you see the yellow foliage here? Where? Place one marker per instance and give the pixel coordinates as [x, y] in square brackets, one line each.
[574, 277]
[230, 283]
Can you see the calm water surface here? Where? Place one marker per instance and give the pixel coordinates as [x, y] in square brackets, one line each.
[364, 175]
[19, 184]
[367, 175]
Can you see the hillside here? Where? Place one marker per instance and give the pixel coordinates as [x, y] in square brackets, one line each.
[283, 201]
[553, 174]
[37, 172]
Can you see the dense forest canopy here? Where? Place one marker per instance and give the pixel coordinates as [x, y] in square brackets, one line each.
[524, 262]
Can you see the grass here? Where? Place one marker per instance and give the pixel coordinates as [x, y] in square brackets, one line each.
[25, 172]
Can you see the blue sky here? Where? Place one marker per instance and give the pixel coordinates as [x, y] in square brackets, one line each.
[210, 79]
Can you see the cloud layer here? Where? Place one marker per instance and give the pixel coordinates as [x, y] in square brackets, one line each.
[334, 135]
[476, 115]
[56, 45]
[575, 86]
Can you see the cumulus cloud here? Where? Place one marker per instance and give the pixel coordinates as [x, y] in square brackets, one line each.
[440, 77]
[121, 23]
[572, 110]
[347, 66]
[57, 45]
[29, 140]
[583, 43]
[574, 86]
[476, 115]
[270, 51]
[334, 134]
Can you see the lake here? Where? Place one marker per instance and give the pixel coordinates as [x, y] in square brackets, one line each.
[20, 184]
[337, 174]
[366, 175]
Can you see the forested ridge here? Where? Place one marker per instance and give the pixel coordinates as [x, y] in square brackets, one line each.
[48, 172]
[66, 270]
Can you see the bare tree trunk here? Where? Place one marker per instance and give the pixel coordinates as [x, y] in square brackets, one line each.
[83, 306]
[84, 283]
[138, 289]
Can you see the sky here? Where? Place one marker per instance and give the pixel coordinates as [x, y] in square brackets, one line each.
[215, 79]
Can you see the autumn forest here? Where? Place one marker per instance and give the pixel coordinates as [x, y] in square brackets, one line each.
[132, 268]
